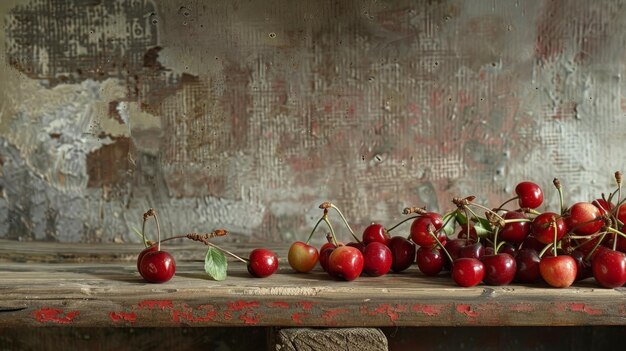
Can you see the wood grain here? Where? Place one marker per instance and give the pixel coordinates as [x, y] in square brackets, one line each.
[111, 293]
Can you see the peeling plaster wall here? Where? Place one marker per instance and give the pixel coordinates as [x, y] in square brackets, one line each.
[247, 115]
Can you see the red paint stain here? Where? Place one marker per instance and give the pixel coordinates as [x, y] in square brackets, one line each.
[522, 307]
[466, 310]
[123, 316]
[156, 304]
[298, 316]
[393, 312]
[429, 310]
[581, 307]
[201, 314]
[250, 317]
[331, 313]
[53, 315]
[240, 305]
[278, 304]
[305, 305]
[227, 316]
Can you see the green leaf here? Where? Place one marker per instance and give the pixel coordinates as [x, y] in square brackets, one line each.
[482, 227]
[449, 223]
[460, 218]
[215, 264]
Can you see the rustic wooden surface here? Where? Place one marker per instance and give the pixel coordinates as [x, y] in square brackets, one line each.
[99, 286]
[337, 339]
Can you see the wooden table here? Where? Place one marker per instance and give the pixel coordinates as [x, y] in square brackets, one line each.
[48, 284]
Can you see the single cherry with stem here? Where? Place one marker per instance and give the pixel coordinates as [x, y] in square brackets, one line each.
[500, 268]
[302, 256]
[156, 266]
[558, 271]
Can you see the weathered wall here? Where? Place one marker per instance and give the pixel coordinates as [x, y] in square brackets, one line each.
[248, 114]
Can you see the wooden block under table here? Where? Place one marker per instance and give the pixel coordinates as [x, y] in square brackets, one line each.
[307, 339]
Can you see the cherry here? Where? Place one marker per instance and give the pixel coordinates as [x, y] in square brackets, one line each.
[558, 271]
[515, 232]
[609, 268]
[377, 259]
[476, 250]
[508, 248]
[584, 218]
[402, 253]
[430, 260]
[376, 233]
[262, 263]
[345, 262]
[583, 267]
[532, 243]
[529, 195]
[473, 237]
[421, 226]
[500, 269]
[543, 229]
[468, 272]
[157, 266]
[302, 257]
[150, 248]
[604, 206]
[324, 255]
[454, 247]
[527, 261]
[359, 246]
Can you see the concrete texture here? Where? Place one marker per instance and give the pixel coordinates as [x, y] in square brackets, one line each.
[247, 115]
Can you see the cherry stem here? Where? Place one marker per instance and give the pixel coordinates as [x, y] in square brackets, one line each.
[346, 222]
[227, 252]
[143, 232]
[618, 179]
[332, 232]
[488, 210]
[156, 219]
[431, 232]
[495, 240]
[401, 222]
[588, 257]
[517, 220]
[557, 185]
[198, 237]
[543, 251]
[555, 236]
[313, 231]
[506, 202]
[616, 232]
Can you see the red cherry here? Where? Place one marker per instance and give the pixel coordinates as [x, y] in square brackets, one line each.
[584, 218]
[609, 268]
[302, 257]
[558, 271]
[376, 233]
[500, 269]
[543, 230]
[420, 229]
[468, 272]
[454, 247]
[476, 250]
[603, 206]
[157, 266]
[402, 253]
[530, 195]
[324, 255]
[515, 232]
[262, 263]
[345, 262]
[583, 267]
[430, 260]
[527, 261]
[359, 246]
[377, 259]
[473, 237]
[144, 252]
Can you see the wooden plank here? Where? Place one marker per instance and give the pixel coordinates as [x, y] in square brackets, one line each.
[336, 339]
[113, 294]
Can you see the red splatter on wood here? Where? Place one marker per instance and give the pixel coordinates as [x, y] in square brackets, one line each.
[297, 317]
[207, 314]
[393, 312]
[227, 316]
[521, 307]
[250, 317]
[429, 310]
[156, 304]
[278, 304]
[305, 305]
[123, 316]
[241, 305]
[466, 310]
[53, 315]
[331, 313]
[581, 307]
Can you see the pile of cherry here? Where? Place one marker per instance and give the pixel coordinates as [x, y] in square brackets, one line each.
[495, 246]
